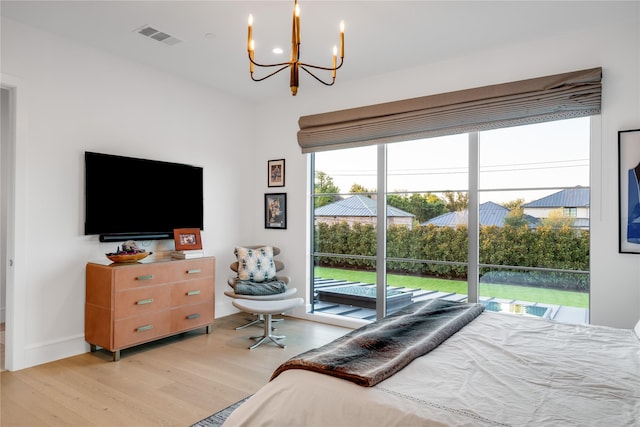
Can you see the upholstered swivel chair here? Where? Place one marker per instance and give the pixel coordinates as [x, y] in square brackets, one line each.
[233, 279]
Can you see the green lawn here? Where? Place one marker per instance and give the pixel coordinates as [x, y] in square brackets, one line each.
[541, 295]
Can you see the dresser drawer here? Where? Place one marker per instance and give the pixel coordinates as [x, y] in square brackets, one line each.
[190, 269]
[132, 302]
[146, 327]
[141, 275]
[192, 292]
[192, 316]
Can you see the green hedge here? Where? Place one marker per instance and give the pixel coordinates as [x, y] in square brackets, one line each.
[563, 248]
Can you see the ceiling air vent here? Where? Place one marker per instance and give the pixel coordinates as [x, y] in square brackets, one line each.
[158, 35]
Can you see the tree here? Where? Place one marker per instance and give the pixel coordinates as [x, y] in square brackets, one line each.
[513, 204]
[516, 217]
[357, 188]
[324, 185]
[556, 220]
[423, 206]
[456, 201]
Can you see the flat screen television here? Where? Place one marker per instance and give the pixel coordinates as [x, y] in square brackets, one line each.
[131, 198]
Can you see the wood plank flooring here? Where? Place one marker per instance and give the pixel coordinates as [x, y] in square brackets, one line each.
[173, 382]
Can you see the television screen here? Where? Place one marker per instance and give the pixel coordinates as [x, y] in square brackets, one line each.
[134, 198]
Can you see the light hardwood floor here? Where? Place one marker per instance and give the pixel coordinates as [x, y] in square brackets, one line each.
[174, 382]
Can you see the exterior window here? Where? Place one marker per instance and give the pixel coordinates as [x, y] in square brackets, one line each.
[572, 212]
[532, 254]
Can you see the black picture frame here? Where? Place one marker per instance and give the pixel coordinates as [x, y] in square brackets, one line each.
[275, 211]
[275, 173]
[629, 191]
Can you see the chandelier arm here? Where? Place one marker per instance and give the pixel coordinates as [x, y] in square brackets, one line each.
[275, 72]
[269, 65]
[318, 78]
[317, 67]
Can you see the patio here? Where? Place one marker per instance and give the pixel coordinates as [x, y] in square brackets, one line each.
[357, 300]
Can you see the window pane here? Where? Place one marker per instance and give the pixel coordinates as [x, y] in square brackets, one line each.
[428, 179]
[345, 232]
[534, 219]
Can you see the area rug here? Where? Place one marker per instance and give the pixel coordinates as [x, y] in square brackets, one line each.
[219, 417]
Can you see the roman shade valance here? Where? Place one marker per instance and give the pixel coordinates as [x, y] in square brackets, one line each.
[560, 96]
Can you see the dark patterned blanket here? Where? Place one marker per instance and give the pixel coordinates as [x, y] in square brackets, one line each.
[374, 352]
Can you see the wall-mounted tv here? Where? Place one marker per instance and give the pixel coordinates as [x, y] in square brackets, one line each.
[131, 198]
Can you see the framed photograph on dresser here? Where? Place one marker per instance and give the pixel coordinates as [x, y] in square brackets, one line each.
[187, 239]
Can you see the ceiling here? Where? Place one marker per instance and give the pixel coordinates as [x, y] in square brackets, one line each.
[380, 36]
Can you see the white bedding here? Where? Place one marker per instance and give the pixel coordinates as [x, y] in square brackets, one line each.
[498, 370]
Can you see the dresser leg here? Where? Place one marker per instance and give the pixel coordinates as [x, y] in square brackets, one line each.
[93, 348]
[209, 327]
[116, 355]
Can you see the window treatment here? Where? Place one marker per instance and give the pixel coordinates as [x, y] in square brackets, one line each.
[560, 96]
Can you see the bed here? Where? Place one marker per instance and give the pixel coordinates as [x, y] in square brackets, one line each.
[496, 370]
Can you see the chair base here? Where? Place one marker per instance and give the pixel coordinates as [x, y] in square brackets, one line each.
[258, 319]
[267, 309]
[267, 335]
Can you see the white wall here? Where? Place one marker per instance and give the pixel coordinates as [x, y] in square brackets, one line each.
[78, 99]
[614, 45]
[81, 99]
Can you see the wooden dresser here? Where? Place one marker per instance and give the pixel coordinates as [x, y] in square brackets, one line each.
[131, 304]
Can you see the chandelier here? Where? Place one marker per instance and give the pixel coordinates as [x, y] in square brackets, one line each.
[294, 63]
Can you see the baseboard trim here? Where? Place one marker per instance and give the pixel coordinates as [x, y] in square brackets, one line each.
[49, 351]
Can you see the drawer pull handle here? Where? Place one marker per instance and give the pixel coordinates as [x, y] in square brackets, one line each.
[144, 301]
[147, 277]
[191, 293]
[144, 328]
[194, 271]
[193, 316]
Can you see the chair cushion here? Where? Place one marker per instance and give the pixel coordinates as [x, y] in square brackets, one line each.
[255, 265]
[260, 288]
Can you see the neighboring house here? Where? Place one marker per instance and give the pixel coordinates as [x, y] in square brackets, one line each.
[360, 209]
[490, 213]
[574, 202]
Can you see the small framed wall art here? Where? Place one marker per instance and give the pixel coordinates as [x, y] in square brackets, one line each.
[275, 210]
[629, 191]
[275, 173]
[187, 239]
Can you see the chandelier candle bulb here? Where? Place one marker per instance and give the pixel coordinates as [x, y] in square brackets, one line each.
[250, 38]
[251, 66]
[335, 61]
[341, 39]
[297, 23]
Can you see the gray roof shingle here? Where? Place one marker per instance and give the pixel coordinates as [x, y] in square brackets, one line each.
[490, 213]
[573, 197]
[357, 205]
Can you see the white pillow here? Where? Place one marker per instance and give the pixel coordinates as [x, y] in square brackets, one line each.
[255, 265]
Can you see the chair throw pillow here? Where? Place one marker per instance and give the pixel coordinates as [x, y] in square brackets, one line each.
[262, 288]
[255, 265]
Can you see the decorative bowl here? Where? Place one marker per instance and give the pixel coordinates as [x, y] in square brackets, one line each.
[124, 258]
